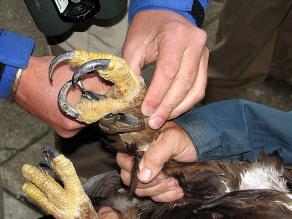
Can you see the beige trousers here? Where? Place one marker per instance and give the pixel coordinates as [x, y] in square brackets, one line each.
[253, 41]
[98, 39]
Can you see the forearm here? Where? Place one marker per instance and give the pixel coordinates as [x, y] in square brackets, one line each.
[238, 129]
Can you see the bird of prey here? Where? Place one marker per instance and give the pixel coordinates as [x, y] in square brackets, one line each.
[212, 189]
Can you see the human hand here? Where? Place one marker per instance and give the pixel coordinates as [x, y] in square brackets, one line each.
[38, 95]
[172, 143]
[179, 49]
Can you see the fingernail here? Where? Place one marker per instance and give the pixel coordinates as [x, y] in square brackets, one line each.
[145, 174]
[155, 122]
[147, 110]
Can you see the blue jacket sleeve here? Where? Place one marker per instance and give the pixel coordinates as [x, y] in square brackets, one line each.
[15, 51]
[238, 129]
[182, 7]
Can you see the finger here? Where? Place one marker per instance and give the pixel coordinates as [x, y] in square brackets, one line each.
[45, 183]
[66, 171]
[65, 133]
[126, 178]
[159, 188]
[33, 192]
[107, 213]
[135, 61]
[169, 196]
[134, 51]
[180, 87]
[197, 92]
[155, 157]
[168, 62]
[124, 161]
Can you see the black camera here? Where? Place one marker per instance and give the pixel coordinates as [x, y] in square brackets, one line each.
[56, 17]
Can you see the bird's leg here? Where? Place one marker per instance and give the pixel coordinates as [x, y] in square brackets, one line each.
[63, 202]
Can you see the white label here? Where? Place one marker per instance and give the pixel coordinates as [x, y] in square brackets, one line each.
[62, 5]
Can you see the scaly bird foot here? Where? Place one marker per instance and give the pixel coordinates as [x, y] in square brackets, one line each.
[63, 202]
[126, 94]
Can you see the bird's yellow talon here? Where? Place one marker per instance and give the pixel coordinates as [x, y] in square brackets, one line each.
[69, 202]
[128, 89]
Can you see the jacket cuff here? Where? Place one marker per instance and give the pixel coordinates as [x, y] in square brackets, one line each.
[15, 51]
[219, 130]
[205, 137]
[184, 8]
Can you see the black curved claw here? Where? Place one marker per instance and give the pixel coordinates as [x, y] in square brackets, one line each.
[57, 60]
[64, 106]
[49, 152]
[45, 166]
[91, 66]
[88, 94]
[92, 96]
[81, 86]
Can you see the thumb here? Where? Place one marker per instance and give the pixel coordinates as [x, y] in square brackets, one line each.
[155, 157]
